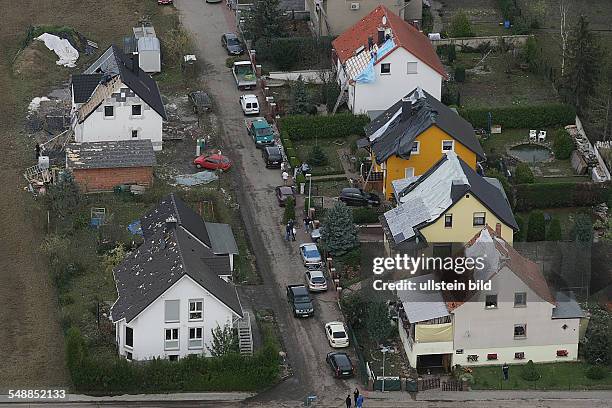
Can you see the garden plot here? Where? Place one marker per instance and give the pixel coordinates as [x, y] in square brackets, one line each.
[484, 15]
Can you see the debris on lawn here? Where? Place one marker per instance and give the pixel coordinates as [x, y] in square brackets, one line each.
[63, 49]
[202, 177]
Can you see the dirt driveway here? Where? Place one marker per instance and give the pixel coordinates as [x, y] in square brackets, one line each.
[277, 260]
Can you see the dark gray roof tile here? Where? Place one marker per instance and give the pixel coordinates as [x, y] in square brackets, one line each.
[106, 155]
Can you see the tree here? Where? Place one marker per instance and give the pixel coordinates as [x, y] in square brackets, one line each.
[529, 372]
[554, 230]
[451, 53]
[582, 232]
[339, 233]
[600, 107]
[317, 156]
[584, 60]
[460, 26]
[63, 198]
[265, 20]
[563, 145]
[563, 32]
[300, 100]
[536, 227]
[378, 323]
[523, 174]
[289, 213]
[520, 234]
[354, 308]
[223, 341]
[460, 73]
[75, 348]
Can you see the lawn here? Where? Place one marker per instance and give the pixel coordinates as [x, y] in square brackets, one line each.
[328, 188]
[330, 148]
[553, 376]
[566, 217]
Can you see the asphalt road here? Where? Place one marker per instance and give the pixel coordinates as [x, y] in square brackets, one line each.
[277, 260]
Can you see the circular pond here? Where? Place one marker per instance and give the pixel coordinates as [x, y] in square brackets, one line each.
[531, 153]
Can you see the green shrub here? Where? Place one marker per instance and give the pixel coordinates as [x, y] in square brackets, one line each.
[522, 117]
[582, 231]
[536, 227]
[596, 372]
[529, 372]
[460, 73]
[451, 53]
[291, 53]
[351, 258]
[317, 156]
[563, 144]
[559, 195]
[460, 26]
[289, 213]
[554, 230]
[509, 9]
[229, 62]
[365, 215]
[304, 127]
[75, 348]
[523, 174]
[300, 178]
[294, 161]
[519, 235]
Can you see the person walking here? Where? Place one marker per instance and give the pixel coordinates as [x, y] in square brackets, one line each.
[359, 403]
[307, 223]
[348, 401]
[37, 149]
[506, 371]
[285, 176]
[356, 395]
[288, 228]
[293, 232]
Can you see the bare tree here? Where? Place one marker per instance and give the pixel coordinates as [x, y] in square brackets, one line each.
[563, 9]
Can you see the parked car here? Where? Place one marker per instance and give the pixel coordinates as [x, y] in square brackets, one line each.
[249, 104]
[283, 193]
[232, 44]
[244, 75]
[200, 102]
[310, 255]
[260, 131]
[272, 157]
[341, 364]
[316, 281]
[359, 198]
[300, 301]
[315, 234]
[215, 161]
[336, 334]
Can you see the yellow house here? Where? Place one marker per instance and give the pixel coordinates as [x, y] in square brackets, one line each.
[413, 135]
[447, 205]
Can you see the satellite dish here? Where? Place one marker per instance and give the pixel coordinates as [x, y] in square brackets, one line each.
[384, 20]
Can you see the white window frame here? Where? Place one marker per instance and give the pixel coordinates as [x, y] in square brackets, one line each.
[196, 301]
[172, 330]
[452, 142]
[451, 220]
[104, 112]
[200, 339]
[416, 67]
[484, 219]
[178, 314]
[524, 295]
[496, 301]
[524, 336]
[383, 64]
[416, 144]
[127, 346]
[409, 172]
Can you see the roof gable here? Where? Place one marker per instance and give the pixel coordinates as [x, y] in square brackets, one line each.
[83, 86]
[405, 35]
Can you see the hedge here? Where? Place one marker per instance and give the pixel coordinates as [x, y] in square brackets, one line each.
[365, 215]
[341, 125]
[231, 372]
[559, 195]
[291, 53]
[522, 117]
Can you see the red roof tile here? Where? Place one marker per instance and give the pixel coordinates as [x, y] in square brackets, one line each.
[405, 35]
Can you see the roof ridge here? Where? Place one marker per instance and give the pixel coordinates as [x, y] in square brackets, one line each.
[176, 211]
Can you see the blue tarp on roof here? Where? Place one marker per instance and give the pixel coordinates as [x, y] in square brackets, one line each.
[367, 75]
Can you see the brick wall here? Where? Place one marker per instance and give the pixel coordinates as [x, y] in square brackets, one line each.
[105, 179]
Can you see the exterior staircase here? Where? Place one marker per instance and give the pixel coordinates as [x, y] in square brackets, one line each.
[245, 336]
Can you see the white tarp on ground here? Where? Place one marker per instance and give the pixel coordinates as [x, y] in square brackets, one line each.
[202, 177]
[35, 103]
[65, 51]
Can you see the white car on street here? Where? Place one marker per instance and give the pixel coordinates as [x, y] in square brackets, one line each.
[316, 281]
[249, 104]
[336, 334]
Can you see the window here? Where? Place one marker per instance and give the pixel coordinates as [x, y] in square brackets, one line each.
[129, 337]
[520, 331]
[448, 145]
[128, 356]
[415, 148]
[136, 110]
[562, 353]
[172, 311]
[492, 356]
[448, 221]
[519, 356]
[134, 133]
[385, 68]
[412, 67]
[109, 111]
[195, 338]
[459, 351]
[520, 299]
[195, 309]
[409, 172]
[173, 357]
[172, 339]
[479, 219]
[491, 302]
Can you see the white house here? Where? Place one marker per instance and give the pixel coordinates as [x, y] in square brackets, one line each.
[176, 287]
[517, 320]
[381, 57]
[116, 100]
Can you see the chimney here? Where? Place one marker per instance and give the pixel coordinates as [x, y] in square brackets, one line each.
[370, 42]
[381, 35]
[406, 109]
[171, 222]
[135, 63]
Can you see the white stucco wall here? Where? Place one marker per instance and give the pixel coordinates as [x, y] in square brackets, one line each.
[387, 89]
[149, 327]
[98, 128]
[481, 331]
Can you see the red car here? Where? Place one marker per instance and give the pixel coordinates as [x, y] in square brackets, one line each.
[213, 162]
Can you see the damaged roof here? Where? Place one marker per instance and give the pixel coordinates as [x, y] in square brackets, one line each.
[83, 85]
[424, 200]
[162, 260]
[394, 131]
[108, 155]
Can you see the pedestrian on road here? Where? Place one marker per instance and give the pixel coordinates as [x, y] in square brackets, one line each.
[356, 395]
[506, 371]
[348, 401]
[288, 231]
[359, 402]
[293, 232]
[307, 223]
[285, 176]
[283, 166]
[37, 148]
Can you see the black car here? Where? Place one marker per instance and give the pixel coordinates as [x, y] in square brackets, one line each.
[272, 157]
[341, 364]
[232, 44]
[284, 193]
[300, 301]
[359, 198]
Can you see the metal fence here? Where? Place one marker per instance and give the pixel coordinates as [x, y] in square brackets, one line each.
[363, 371]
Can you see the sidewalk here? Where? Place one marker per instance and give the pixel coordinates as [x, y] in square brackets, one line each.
[206, 396]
